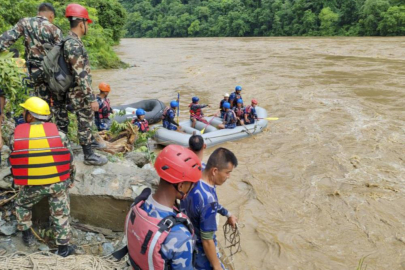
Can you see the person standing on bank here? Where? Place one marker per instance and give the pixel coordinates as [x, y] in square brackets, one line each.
[41, 162]
[201, 206]
[37, 31]
[80, 96]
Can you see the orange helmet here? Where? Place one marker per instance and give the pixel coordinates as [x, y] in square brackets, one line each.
[254, 101]
[105, 87]
[177, 164]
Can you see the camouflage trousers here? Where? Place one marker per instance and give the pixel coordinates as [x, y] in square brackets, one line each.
[42, 91]
[59, 206]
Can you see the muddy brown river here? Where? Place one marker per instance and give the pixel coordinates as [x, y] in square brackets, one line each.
[322, 187]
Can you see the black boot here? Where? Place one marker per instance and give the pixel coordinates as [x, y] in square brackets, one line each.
[90, 158]
[96, 145]
[66, 250]
[28, 238]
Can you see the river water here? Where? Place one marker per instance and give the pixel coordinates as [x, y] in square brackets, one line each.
[323, 186]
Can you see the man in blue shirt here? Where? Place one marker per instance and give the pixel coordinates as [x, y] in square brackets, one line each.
[202, 206]
[235, 96]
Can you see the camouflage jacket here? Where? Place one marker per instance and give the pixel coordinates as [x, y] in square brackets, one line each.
[65, 142]
[37, 31]
[78, 61]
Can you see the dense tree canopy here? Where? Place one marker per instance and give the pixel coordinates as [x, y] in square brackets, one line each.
[108, 15]
[201, 18]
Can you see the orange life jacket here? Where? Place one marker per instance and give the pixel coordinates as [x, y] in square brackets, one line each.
[39, 156]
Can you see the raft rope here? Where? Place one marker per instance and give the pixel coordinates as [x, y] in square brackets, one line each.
[232, 236]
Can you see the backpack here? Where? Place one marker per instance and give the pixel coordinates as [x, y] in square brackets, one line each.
[56, 70]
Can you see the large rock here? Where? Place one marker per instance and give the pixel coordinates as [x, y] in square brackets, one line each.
[102, 195]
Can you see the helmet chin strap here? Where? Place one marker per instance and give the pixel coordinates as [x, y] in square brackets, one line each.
[183, 195]
[85, 28]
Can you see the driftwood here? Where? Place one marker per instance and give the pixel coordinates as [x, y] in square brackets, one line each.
[89, 228]
[122, 143]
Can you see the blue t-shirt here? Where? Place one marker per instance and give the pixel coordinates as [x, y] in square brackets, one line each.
[178, 246]
[201, 206]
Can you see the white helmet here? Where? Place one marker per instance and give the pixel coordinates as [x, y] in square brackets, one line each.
[226, 95]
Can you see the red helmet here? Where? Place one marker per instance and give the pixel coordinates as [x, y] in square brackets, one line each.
[177, 164]
[76, 10]
[254, 101]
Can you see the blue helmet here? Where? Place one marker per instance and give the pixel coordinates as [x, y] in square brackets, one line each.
[195, 99]
[226, 105]
[140, 112]
[239, 101]
[174, 104]
[238, 88]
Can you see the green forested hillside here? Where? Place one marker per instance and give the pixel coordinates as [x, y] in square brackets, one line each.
[202, 18]
[108, 15]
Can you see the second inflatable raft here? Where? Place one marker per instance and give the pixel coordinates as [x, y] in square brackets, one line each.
[212, 136]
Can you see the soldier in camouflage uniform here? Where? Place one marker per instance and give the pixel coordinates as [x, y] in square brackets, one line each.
[37, 32]
[81, 97]
[36, 112]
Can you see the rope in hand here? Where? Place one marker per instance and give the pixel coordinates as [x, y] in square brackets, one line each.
[232, 236]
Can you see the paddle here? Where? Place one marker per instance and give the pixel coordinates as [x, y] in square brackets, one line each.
[203, 130]
[270, 118]
[178, 107]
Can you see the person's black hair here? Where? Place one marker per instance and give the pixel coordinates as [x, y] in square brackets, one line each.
[196, 143]
[220, 159]
[46, 7]
[15, 52]
[74, 23]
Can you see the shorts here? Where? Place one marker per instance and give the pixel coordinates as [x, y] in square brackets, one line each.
[169, 126]
[230, 126]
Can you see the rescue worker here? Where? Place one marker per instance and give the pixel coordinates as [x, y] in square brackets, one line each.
[169, 115]
[41, 162]
[80, 96]
[239, 112]
[37, 31]
[101, 117]
[202, 206]
[221, 107]
[140, 121]
[159, 236]
[229, 118]
[196, 113]
[197, 145]
[235, 96]
[250, 112]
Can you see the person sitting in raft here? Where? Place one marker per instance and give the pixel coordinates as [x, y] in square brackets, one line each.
[226, 99]
[196, 113]
[140, 121]
[169, 115]
[229, 118]
[101, 117]
[197, 145]
[235, 96]
[250, 112]
[239, 112]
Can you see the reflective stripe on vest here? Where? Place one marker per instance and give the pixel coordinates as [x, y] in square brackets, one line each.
[39, 156]
[197, 112]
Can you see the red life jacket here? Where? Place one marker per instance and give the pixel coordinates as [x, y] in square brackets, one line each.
[239, 111]
[105, 109]
[144, 125]
[146, 235]
[232, 120]
[197, 112]
[39, 156]
[165, 112]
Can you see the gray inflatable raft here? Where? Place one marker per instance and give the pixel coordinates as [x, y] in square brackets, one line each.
[212, 136]
[154, 110]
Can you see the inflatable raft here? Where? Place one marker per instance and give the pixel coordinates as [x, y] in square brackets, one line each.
[212, 136]
[154, 109]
